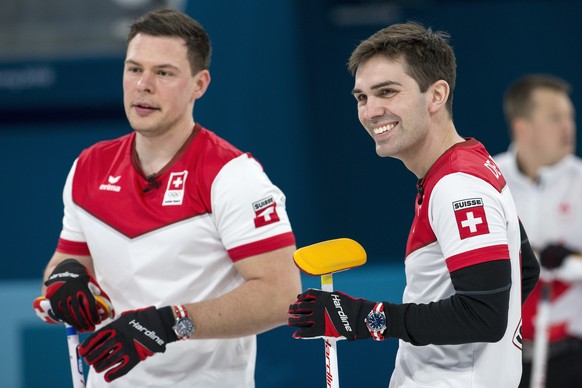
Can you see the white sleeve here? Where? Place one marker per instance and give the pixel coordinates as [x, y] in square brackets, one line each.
[71, 228]
[246, 206]
[466, 213]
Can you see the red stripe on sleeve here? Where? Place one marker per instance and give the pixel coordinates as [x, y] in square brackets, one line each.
[477, 256]
[262, 246]
[73, 247]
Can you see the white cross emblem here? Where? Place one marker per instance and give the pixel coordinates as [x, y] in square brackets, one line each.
[177, 182]
[471, 222]
[266, 213]
[174, 194]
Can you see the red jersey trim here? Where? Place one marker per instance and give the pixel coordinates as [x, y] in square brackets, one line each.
[557, 330]
[262, 246]
[477, 256]
[107, 184]
[73, 247]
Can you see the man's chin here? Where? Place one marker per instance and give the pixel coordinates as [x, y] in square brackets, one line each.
[383, 152]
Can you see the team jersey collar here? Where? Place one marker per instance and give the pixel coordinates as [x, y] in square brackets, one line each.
[546, 173]
[135, 159]
[469, 142]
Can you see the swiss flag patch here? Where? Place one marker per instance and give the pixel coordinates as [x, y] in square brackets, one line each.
[265, 212]
[470, 216]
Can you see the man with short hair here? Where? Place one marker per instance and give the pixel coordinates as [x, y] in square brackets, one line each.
[545, 178]
[460, 320]
[173, 229]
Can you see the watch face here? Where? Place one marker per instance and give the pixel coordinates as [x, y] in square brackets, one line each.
[184, 327]
[376, 321]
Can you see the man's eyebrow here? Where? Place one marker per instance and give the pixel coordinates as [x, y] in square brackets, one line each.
[162, 66]
[378, 86]
[131, 62]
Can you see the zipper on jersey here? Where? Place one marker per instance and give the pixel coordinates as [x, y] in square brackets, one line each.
[420, 189]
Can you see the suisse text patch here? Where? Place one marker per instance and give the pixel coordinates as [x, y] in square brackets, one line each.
[265, 212]
[470, 217]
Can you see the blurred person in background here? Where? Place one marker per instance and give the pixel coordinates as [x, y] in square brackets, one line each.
[172, 231]
[545, 178]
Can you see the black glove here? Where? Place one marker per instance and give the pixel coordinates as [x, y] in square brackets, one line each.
[553, 256]
[75, 297]
[319, 314]
[134, 336]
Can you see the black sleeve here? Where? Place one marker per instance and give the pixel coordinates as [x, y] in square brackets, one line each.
[530, 267]
[477, 312]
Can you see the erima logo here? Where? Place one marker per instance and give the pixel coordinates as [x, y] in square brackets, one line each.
[466, 203]
[110, 185]
[340, 312]
[148, 333]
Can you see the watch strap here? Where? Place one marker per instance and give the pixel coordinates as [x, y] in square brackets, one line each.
[377, 335]
[180, 311]
[168, 320]
[181, 314]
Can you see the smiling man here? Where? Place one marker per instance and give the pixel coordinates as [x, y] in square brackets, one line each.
[460, 320]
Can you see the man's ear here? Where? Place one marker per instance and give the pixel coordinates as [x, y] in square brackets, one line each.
[438, 94]
[201, 82]
[519, 128]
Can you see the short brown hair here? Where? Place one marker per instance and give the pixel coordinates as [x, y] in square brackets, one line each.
[427, 54]
[173, 23]
[518, 101]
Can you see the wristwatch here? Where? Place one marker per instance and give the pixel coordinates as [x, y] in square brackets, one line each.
[184, 326]
[376, 322]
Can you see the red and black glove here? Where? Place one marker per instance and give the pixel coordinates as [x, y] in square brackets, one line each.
[553, 256]
[134, 336]
[75, 297]
[43, 310]
[319, 314]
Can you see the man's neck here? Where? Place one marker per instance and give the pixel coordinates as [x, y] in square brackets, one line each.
[527, 168]
[423, 159]
[155, 152]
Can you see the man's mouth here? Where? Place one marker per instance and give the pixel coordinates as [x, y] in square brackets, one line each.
[144, 109]
[384, 128]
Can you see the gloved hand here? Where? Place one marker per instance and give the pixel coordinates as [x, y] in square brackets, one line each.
[319, 314]
[42, 308]
[74, 298]
[553, 256]
[123, 343]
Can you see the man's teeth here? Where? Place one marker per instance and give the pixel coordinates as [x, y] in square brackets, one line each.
[384, 128]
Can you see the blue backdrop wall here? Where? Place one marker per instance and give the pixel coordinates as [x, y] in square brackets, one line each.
[280, 90]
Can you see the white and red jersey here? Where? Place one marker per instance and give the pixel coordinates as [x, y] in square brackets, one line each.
[172, 239]
[465, 216]
[551, 212]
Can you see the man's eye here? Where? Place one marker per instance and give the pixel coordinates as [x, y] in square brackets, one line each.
[361, 97]
[387, 92]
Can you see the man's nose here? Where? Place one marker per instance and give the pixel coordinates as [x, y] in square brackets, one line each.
[144, 84]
